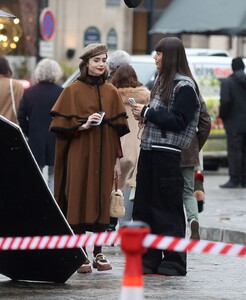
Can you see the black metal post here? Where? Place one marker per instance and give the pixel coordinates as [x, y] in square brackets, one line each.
[41, 5]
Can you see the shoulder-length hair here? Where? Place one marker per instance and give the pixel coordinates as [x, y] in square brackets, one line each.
[174, 61]
[5, 67]
[84, 70]
[125, 76]
[48, 70]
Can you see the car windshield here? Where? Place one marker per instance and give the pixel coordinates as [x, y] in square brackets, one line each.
[144, 70]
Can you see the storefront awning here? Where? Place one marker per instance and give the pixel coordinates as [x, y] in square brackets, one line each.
[222, 17]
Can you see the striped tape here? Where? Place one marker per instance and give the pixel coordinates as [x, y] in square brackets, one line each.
[109, 238]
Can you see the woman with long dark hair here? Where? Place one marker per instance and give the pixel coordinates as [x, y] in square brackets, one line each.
[170, 123]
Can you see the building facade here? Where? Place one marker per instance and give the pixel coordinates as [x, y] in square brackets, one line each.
[79, 22]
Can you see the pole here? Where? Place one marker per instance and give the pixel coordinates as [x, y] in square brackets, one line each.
[41, 5]
[132, 235]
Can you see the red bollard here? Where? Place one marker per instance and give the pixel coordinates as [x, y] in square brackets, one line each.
[132, 235]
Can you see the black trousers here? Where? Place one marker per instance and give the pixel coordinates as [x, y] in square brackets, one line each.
[159, 202]
[236, 147]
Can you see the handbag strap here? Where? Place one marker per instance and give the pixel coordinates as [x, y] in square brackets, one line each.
[116, 183]
[12, 96]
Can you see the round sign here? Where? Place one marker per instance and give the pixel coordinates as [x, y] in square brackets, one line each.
[47, 24]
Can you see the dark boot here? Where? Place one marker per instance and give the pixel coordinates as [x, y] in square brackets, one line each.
[231, 184]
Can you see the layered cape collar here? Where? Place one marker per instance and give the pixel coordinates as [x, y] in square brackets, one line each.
[93, 80]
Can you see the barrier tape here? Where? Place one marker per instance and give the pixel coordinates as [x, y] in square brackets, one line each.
[109, 238]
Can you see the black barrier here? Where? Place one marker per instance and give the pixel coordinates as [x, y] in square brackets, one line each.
[27, 208]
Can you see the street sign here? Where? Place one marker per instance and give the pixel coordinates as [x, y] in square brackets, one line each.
[47, 24]
[46, 48]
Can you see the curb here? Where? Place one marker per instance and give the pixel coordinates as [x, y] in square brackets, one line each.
[222, 235]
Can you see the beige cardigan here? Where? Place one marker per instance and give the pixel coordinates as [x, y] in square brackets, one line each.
[6, 109]
[130, 143]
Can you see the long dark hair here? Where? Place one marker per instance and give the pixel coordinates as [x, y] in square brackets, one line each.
[174, 61]
[125, 76]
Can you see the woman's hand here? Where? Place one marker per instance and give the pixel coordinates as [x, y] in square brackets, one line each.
[117, 168]
[136, 110]
[92, 118]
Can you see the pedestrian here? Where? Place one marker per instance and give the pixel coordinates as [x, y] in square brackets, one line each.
[190, 161]
[34, 114]
[116, 59]
[233, 113]
[11, 91]
[170, 123]
[126, 81]
[88, 148]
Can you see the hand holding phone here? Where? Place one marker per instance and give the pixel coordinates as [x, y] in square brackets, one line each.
[132, 101]
[102, 113]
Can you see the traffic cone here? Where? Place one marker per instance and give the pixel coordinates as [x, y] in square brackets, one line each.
[132, 235]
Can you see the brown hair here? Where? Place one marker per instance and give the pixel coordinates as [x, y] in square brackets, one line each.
[5, 67]
[174, 61]
[125, 76]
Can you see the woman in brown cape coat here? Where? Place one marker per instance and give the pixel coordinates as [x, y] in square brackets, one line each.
[87, 156]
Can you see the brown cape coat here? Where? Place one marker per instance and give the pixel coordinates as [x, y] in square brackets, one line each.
[85, 160]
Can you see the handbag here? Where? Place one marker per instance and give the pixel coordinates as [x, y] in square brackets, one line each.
[117, 205]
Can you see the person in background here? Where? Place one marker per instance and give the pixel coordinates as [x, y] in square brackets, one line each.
[11, 92]
[190, 160]
[116, 59]
[233, 113]
[88, 148]
[126, 81]
[34, 114]
[170, 124]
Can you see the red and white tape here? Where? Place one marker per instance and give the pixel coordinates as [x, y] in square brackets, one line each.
[58, 241]
[109, 238]
[194, 246]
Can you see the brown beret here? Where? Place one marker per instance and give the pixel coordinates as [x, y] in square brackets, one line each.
[92, 50]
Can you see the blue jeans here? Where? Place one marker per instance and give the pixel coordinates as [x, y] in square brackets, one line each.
[129, 207]
[189, 199]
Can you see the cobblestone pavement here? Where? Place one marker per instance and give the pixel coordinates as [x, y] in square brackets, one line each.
[208, 277]
[224, 216]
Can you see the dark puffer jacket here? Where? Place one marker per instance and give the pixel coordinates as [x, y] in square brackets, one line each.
[233, 102]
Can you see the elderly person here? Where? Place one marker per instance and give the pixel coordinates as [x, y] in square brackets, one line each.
[116, 59]
[34, 114]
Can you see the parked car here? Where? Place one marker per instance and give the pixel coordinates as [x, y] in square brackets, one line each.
[206, 52]
[209, 71]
